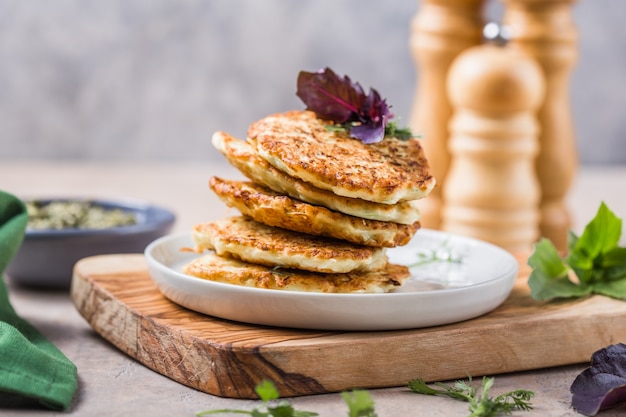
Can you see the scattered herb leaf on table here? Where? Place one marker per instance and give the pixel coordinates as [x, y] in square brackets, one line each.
[359, 402]
[480, 403]
[603, 384]
[268, 393]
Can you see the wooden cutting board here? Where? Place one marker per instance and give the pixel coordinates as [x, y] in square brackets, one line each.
[115, 294]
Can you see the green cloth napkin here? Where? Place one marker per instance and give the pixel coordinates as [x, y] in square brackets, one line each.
[31, 368]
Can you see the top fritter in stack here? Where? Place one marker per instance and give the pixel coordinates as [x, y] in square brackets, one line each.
[319, 211]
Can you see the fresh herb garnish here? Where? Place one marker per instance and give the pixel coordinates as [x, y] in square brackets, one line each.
[338, 99]
[404, 133]
[480, 403]
[595, 263]
[603, 384]
[268, 393]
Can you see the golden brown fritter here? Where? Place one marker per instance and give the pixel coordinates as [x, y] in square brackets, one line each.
[273, 209]
[232, 271]
[301, 145]
[248, 240]
[242, 156]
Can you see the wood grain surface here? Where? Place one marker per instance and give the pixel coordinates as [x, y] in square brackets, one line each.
[115, 294]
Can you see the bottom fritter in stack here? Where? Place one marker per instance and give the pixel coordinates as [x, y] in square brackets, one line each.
[319, 211]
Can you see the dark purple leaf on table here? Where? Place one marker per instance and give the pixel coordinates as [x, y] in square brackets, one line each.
[603, 384]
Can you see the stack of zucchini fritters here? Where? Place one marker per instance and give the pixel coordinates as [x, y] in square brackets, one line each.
[319, 211]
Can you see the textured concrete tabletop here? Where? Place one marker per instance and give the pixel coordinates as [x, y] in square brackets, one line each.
[111, 383]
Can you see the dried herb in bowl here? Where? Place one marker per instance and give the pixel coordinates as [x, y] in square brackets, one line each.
[76, 214]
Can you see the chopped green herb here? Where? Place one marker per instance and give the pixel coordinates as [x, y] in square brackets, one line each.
[480, 403]
[392, 130]
[336, 128]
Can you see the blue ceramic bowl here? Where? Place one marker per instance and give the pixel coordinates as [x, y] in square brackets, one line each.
[47, 257]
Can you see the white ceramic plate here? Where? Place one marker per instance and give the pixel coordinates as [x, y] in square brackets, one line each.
[458, 278]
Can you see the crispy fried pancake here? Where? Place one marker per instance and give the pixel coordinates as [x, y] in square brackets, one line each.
[243, 238]
[273, 209]
[242, 156]
[299, 144]
[232, 271]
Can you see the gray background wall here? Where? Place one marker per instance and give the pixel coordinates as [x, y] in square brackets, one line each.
[151, 80]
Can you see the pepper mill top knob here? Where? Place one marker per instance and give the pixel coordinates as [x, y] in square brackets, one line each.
[493, 79]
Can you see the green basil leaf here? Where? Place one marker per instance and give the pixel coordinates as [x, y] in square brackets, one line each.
[572, 239]
[544, 287]
[614, 258]
[615, 288]
[549, 278]
[582, 265]
[594, 257]
[614, 273]
[601, 234]
[546, 259]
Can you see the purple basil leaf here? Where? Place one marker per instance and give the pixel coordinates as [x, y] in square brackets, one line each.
[330, 96]
[610, 360]
[603, 384]
[374, 109]
[373, 118]
[368, 133]
[598, 392]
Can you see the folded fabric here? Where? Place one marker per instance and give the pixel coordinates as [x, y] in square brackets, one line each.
[31, 368]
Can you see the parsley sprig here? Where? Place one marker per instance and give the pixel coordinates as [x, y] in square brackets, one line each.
[480, 403]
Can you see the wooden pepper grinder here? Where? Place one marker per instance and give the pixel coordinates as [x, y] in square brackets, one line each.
[545, 30]
[439, 32]
[491, 191]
